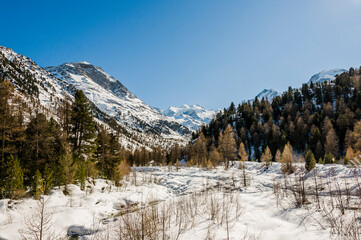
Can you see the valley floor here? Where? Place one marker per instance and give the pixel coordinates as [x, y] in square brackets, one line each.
[193, 203]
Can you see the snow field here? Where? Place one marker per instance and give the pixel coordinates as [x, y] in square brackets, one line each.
[193, 203]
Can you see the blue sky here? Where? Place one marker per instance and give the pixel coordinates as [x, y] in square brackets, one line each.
[207, 52]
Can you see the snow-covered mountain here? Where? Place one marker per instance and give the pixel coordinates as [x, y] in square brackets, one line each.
[193, 116]
[326, 75]
[113, 104]
[268, 94]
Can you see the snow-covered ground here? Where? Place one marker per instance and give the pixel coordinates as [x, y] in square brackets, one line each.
[194, 203]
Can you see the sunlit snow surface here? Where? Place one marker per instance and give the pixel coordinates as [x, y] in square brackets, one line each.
[260, 215]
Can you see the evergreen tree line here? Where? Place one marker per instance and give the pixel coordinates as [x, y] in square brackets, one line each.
[38, 153]
[322, 119]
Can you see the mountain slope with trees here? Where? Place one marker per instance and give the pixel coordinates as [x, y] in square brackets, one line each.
[323, 118]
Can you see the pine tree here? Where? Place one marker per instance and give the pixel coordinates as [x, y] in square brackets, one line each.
[14, 179]
[102, 153]
[48, 180]
[66, 170]
[81, 174]
[6, 119]
[310, 161]
[83, 126]
[329, 158]
[42, 144]
[37, 185]
[11, 125]
[64, 113]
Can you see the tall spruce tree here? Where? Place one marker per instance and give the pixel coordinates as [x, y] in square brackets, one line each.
[83, 127]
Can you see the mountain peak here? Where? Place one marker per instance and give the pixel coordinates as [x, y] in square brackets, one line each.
[326, 75]
[268, 94]
[191, 116]
[84, 62]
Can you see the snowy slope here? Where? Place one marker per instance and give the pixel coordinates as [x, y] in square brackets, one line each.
[268, 94]
[32, 80]
[113, 105]
[193, 116]
[113, 98]
[326, 75]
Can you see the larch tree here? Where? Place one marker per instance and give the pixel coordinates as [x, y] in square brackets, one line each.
[242, 153]
[278, 156]
[356, 137]
[287, 159]
[228, 146]
[201, 150]
[214, 156]
[266, 157]
[331, 143]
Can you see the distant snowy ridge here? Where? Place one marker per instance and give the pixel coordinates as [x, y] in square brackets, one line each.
[323, 76]
[191, 116]
[268, 94]
[326, 75]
